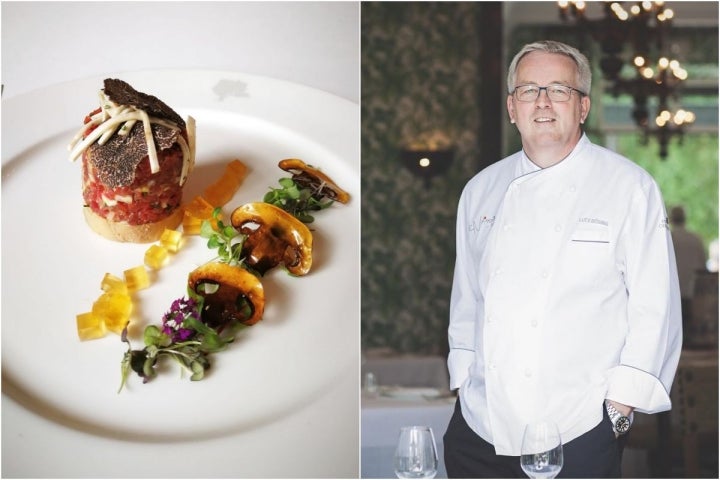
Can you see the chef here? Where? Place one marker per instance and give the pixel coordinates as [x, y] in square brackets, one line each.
[565, 304]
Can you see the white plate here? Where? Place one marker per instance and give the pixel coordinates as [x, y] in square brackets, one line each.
[52, 265]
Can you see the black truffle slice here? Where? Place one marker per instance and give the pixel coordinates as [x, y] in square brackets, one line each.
[117, 160]
[122, 93]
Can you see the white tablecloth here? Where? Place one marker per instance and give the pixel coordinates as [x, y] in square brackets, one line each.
[408, 370]
[381, 421]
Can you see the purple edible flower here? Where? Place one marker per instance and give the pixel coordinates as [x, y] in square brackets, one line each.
[175, 317]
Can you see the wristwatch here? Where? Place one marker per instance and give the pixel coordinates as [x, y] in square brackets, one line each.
[621, 423]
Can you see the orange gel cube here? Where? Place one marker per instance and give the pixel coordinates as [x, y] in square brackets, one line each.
[137, 278]
[156, 256]
[237, 169]
[195, 212]
[191, 225]
[171, 240]
[199, 208]
[222, 191]
[90, 326]
[114, 309]
[112, 284]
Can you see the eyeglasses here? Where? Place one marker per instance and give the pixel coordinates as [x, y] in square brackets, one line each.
[555, 92]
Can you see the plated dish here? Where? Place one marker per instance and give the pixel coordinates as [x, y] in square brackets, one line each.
[53, 264]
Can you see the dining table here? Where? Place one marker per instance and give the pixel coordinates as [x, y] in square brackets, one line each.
[389, 409]
[408, 370]
[232, 54]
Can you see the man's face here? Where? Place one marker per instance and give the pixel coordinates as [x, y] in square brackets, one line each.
[548, 127]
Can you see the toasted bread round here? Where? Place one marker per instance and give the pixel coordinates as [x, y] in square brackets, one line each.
[124, 232]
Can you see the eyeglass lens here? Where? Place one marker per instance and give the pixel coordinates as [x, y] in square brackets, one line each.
[556, 93]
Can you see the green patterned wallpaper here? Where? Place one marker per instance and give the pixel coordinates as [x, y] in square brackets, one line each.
[420, 75]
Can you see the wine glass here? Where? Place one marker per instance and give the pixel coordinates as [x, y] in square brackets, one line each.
[416, 454]
[371, 384]
[541, 454]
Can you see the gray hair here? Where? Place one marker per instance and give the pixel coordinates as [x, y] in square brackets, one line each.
[584, 74]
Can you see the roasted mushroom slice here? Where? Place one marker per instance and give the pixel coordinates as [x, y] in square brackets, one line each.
[273, 237]
[307, 176]
[232, 294]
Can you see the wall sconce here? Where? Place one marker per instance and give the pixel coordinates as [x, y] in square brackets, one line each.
[427, 163]
[428, 156]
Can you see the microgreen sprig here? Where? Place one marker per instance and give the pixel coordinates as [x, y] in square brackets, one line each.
[296, 200]
[224, 238]
[183, 337]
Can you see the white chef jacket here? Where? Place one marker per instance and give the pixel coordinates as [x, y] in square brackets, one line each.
[565, 293]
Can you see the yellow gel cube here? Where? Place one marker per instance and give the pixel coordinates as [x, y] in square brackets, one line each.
[136, 278]
[171, 240]
[112, 284]
[155, 256]
[114, 309]
[90, 326]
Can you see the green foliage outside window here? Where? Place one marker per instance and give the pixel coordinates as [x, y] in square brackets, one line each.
[687, 177]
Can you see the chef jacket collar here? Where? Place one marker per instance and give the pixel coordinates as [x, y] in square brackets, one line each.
[526, 167]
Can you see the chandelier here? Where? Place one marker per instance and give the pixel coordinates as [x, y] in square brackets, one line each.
[637, 36]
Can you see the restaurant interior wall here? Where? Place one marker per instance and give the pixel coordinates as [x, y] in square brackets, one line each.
[423, 70]
[421, 73]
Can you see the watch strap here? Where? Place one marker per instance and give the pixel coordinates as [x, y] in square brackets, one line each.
[615, 415]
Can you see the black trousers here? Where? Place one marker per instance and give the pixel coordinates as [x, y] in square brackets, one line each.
[595, 454]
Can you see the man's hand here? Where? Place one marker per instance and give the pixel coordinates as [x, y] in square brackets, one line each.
[622, 408]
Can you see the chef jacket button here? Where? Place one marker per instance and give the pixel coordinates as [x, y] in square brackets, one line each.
[489, 319]
[534, 323]
[492, 366]
[497, 272]
[506, 227]
[544, 274]
[572, 189]
[528, 373]
[558, 227]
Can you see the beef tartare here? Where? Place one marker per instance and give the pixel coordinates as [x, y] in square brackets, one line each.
[136, 156]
